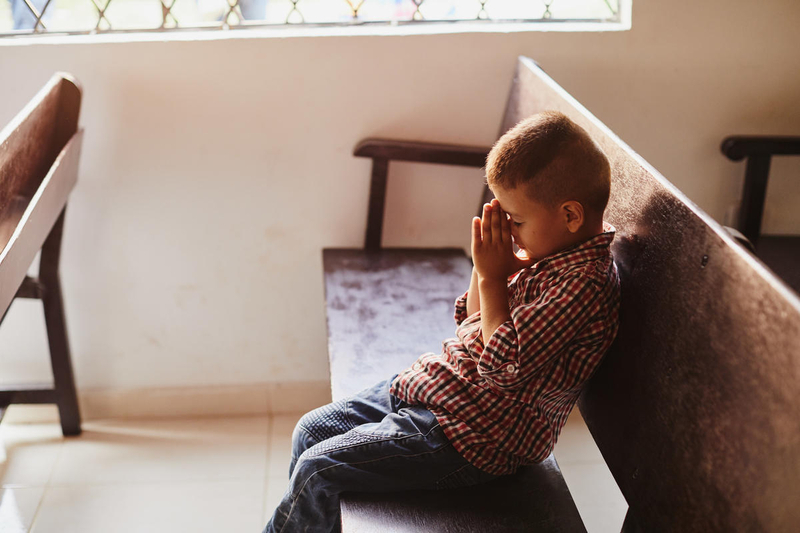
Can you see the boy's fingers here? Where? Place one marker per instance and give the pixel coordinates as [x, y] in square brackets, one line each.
[506, 224]
[476, 231]
[497, 234]
[486, 225]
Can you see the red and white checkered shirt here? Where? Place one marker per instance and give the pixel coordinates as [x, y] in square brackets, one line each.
[503, 405]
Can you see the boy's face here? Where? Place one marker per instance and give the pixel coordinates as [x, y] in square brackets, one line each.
[537, 229]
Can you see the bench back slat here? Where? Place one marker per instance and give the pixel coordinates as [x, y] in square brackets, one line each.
[695, 408]
[39, 152]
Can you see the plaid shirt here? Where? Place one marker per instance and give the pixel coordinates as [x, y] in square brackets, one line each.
[503, 405]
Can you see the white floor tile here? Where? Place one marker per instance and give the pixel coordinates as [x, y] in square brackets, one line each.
[600, 502]
[603, 518]
[205, 474]
[596, 495]
[214, 507]
[575, 443]
[135, 451]
[28, 453]
[32, 414]
[18, 507]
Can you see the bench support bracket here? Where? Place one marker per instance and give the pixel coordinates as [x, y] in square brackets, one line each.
[48, 289]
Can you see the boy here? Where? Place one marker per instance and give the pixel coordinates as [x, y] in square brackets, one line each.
[532, 328]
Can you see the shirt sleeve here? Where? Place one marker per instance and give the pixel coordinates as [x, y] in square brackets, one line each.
[461, 308]
[461, 301]
[537, 332]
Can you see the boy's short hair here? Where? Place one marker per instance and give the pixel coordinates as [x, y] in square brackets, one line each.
[554, 160]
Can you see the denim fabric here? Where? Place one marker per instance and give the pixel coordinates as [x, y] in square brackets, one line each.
[369, 442]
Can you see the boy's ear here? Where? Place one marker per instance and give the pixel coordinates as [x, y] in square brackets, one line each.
[574, 215]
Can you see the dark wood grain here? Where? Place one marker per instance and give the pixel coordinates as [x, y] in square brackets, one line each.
[34, 180]
[39, 154]
[534, 500]
[423, 152]
[695, 407]
[737, 147]
[38, 218]
[55, 320]
[30, 288]
[781, 253]
[754, 193]
[377, 203]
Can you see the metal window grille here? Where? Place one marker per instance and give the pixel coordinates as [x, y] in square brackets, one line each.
[26, 17]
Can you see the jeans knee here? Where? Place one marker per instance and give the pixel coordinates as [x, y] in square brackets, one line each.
[302, 440]
[316, 426]
[322, 423]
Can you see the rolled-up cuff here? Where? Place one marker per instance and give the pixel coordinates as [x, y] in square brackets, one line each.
[461, 308]
[499, 363]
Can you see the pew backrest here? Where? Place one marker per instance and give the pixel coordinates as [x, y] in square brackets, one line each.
[695, 407]
[39, 151]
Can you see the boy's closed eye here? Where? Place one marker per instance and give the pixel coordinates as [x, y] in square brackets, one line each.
[514, 221]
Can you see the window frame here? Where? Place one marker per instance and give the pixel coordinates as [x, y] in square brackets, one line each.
[256, 29]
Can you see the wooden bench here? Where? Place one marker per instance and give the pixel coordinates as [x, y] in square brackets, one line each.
[694, 409]
[39, 152]
[780, 252]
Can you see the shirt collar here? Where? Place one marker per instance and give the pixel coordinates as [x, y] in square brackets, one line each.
[588, 250]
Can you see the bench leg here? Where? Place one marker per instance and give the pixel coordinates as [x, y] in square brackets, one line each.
[67, 398]
[753, 196]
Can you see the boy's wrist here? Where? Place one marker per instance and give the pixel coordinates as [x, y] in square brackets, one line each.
[491, 281]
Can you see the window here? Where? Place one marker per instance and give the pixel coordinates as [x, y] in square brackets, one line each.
[26, 17]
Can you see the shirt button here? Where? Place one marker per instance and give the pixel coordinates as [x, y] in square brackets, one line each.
[417, 366]
[510, 369]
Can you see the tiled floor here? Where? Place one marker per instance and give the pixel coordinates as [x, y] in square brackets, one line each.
[205, 474]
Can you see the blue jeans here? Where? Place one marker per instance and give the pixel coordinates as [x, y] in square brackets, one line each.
[369, 442]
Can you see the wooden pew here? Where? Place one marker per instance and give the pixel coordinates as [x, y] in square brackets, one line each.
[780, 252]
[39, 152]
[695, 407]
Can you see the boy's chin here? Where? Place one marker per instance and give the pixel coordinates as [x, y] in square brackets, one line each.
[523, 254]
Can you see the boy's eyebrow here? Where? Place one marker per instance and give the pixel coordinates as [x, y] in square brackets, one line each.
[506, 211]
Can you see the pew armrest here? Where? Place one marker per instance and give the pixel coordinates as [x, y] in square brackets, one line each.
[422, 152]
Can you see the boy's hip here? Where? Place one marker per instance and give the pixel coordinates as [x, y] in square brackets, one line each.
[406, 450]
[376, 412]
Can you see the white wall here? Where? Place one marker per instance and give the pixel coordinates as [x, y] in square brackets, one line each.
[214, 172]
